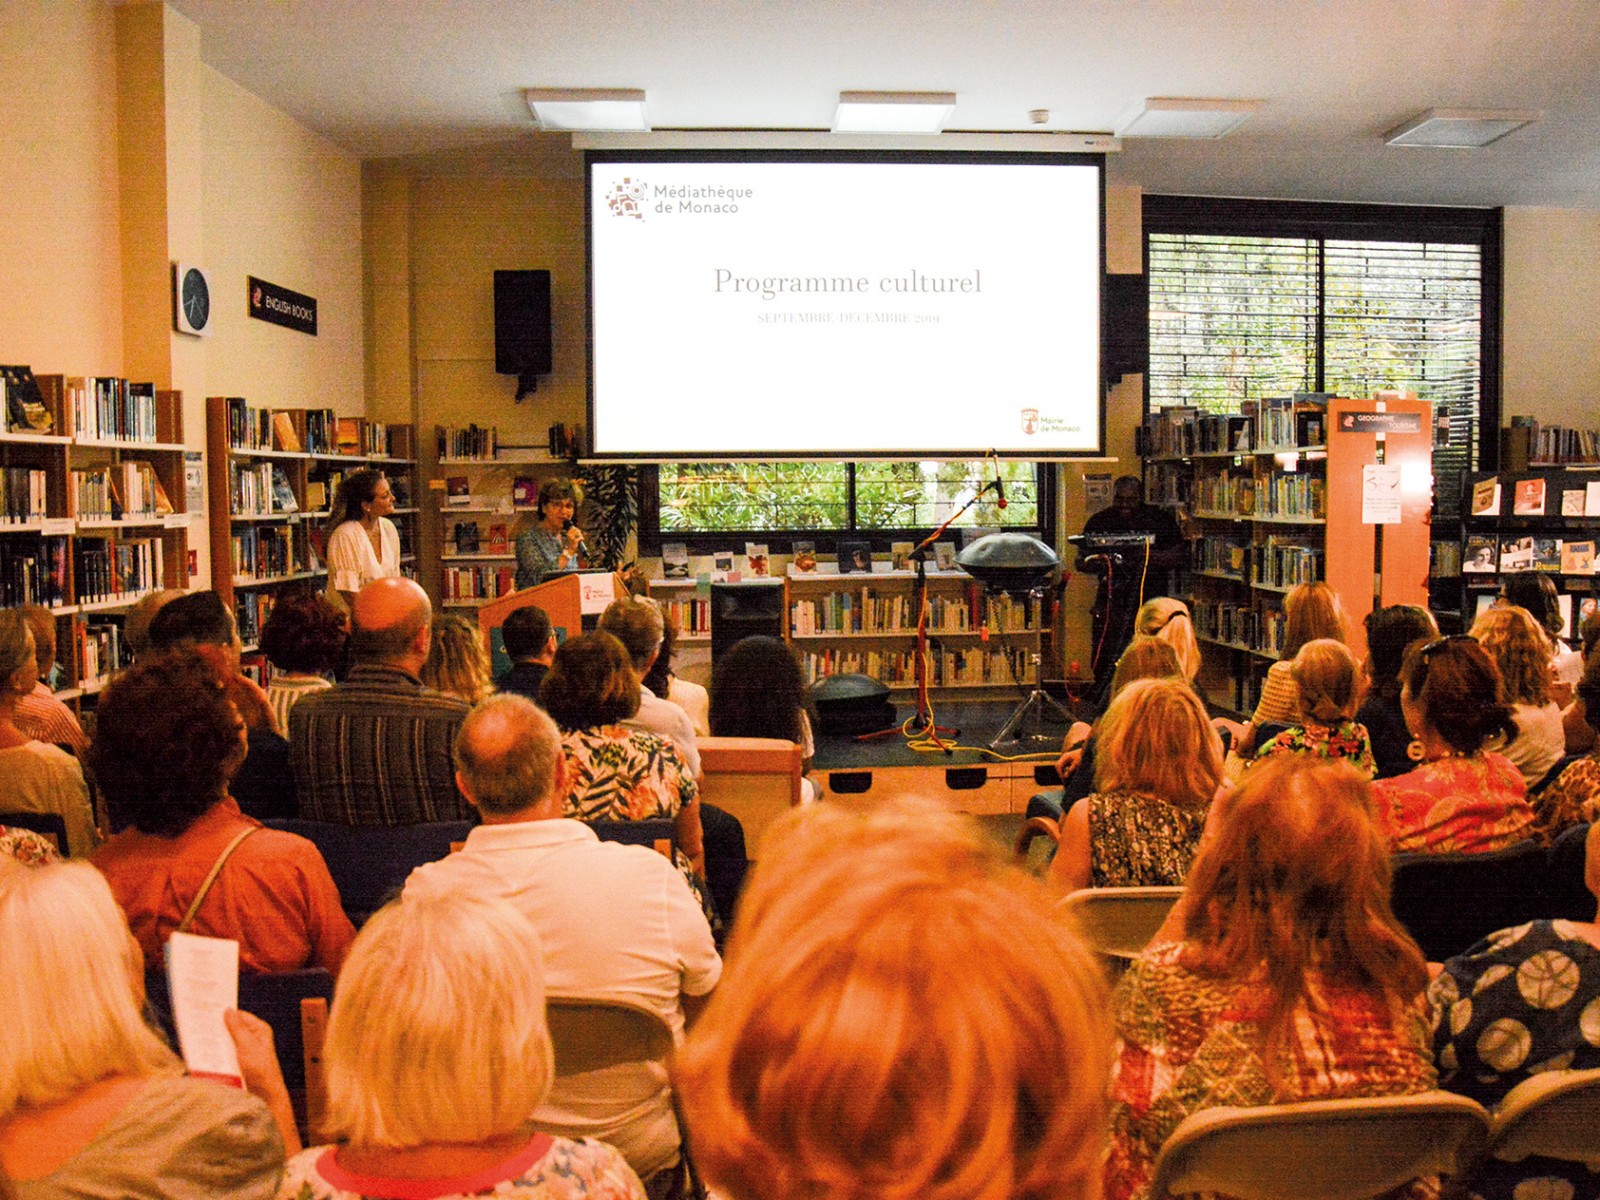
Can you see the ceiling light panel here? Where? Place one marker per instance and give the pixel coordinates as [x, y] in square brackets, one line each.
[1458, 128]
[1166, 117]
[893, 112]
[594, 110]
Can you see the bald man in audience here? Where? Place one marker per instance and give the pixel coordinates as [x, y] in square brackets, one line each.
[375, 749]
[615, 922]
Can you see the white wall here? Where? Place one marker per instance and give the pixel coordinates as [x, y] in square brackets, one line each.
[1551, 367]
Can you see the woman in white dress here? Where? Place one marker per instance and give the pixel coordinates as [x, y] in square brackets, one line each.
[364, 544]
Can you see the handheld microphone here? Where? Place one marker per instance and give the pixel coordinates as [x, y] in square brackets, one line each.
[583, 546]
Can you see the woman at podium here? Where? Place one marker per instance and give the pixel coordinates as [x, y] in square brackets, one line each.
[554, 543]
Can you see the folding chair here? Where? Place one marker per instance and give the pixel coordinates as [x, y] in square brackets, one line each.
[1118, 923]
[1554, 1114]
[1320, 1149]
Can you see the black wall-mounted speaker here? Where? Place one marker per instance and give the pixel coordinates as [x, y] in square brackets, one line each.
[1125, 338]
[522, 322]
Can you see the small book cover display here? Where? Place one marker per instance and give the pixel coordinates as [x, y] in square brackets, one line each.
[755, 554]
[467, 538]
[1547, 554]
[900, 556]
[1516, 554]
[1572, 503]
[457, 491]
[282, 494]
[722, 567]
[805, 557]
[24, 409]
[284, 435]
[524, 491]
[674, 560]
[1486, 498]
[1577, 558]
[944, 556]
[855, 557]
[1528, 498]
[1587, 607]
[347, 435]
[498, 540]
[1481, 557]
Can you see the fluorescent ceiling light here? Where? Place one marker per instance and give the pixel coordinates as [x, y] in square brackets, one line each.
[1458, 128]
[1165, 117]
[893, 112]
[588, 109]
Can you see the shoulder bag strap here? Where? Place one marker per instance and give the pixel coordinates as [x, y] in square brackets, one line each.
[216, 869]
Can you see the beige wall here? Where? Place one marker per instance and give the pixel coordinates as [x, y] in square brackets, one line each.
[1552, 316]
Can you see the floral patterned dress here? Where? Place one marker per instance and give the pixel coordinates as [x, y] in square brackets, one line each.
[1522, 1001]
[28, 848]
[1464, 805]
[546, 1169]
[1187, 1042]
[1140, 840]
[1343, 739]
[1573, 799]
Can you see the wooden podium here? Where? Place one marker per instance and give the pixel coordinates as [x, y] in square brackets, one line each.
[562, 600]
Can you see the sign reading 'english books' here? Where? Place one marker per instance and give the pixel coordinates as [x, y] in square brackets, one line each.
[280, 306]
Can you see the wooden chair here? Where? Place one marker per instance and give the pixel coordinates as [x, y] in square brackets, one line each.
[1032, 829]
[755, 779]
[1321, 1149]
[1118, 923]
[48, 825]
[370, 863]
[590, 1035]
[1555, 1114]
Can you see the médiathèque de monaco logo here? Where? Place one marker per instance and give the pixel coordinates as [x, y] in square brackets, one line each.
[626, 199]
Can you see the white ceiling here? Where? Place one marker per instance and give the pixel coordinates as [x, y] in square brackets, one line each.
[385, 78]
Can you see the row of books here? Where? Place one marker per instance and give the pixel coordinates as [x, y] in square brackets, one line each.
[115, 492]
[848, 612]
[1534, 498]
[24, 495]
[947, 667]
[1284, 564]
[1220, 556]
[1554, 443]
[693, 615]
[35, 571]
[1271, 423]
[260, 489]
[122, 569]
[1282, 494]
[1485, 554]
[473, 441]
[1286, 422]
[107, 409]
[250, 611]
[478, 582]
[99, 649]
[1258, 629]
[269, 552]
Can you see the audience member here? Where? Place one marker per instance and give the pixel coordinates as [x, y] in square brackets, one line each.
[663, 681]
[136, 625]
[1328, 685]
[1536, 592]
[437, 1051]
[34, 776]
[1521, 650]
[636, 623]
[759, 690]
[1168, 620]
[92, 1103]
[1462, 796]
[553, 543]
[375, 748]
[531, 644]
[263, 784]
[1520, 1002]
[304, 640]
[1574, 797]
[1157, 766]
[363, 544]
[615, 921]
[1310, 611]
[1389, 632]
[458, 660]
[1292, 979]
[1581, 737]
[615, 773]
[167, 743]
[841, 1055]
[39, 714]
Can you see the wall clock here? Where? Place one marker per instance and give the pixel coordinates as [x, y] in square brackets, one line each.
[191, 299]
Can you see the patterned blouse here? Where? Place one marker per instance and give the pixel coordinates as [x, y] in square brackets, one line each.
[1466, 805]
[1522, 1001]
[1573, 798]
[28, 848]
[1186, 1042]
[615, 773]
[546, 1169]
[1344, 739]
[1140, 840]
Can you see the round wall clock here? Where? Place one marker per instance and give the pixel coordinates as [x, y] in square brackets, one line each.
[191, 299]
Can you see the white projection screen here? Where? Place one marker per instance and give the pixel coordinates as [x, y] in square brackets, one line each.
[809, 305]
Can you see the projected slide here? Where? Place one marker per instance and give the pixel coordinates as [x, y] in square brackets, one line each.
[844, 307]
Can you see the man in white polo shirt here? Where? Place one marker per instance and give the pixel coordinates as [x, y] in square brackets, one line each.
[615, 922]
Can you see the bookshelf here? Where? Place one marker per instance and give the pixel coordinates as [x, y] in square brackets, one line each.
[93, 515]
[482, 495]
[1271, 496]
[1538, 519]
[273, 474]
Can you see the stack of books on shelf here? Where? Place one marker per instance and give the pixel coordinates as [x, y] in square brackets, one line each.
[23, 496]
[99, 650]
[693, 615]
[248, 428]
[1530, 442]
[478, 582]
[477, 442]
[34, 571]
[261, 489]
[1170, 432]
[106, 409]
[1287, 422]
[1220, 556]
[1227, 493]
[321, 431]
[265, 552]
[1283, 564]
[116, 492]
[1293, 495]
[1225, 433]
[1230, 624]
[251, 610]
[947, 667]
[121, 570]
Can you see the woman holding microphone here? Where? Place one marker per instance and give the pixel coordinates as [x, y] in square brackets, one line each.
[553, 543]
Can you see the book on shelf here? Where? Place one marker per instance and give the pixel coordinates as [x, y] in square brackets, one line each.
[1564, 610]
[282, 493]
[1486, 497]
[1516, 554]
[722, 567]
[944, 556]
[755, 556]
[1481, 555]
[458, 491]
[1587, 607]
[674, 560]
[467, 540]
[347, 435]
[284, 434]
[855, 557]
[804, 555]
[497, 540]
[1572, 503]
[1527, 498]
[1591, 498]
[24, 409]
[1577, 558]
[1547, 554]
[316, 495]
[900, 556]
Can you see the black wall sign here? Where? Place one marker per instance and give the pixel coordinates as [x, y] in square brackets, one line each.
[280, 306]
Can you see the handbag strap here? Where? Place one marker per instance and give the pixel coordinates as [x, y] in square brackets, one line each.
[216, 869]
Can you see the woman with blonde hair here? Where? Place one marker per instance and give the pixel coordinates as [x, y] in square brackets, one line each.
[1310, 611]
[1520, 648]
[1168, 620]
[1327, 679]
[92, 1103]
[458, 662]
[841, 1055]
[1158, 762]
[1291, 980]
[437, 1051]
